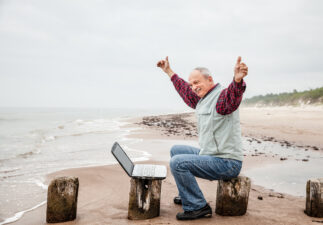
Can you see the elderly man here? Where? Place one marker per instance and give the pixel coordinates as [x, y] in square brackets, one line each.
[220, 155]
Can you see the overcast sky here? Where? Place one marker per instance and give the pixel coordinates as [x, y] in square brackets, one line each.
[104, 53]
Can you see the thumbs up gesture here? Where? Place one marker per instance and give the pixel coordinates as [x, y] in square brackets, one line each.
[240, 70]
[164, 65]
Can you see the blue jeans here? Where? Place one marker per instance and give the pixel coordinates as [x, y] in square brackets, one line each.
[186, 164]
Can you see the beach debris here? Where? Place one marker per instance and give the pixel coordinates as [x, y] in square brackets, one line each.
[314, 198]
[260, 197]
[173, 124]
[277, 195]
[232, 196]
[305, 160]
[62, 199]
[144, 198]
[269, 139]
[283, 158]
[256, 140]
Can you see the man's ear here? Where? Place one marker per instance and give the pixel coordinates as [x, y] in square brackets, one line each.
[210, 78]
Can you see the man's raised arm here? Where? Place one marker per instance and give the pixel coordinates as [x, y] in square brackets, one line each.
[230, 98]
[181, 86]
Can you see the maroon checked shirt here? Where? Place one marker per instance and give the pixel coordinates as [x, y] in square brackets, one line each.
[228, 101]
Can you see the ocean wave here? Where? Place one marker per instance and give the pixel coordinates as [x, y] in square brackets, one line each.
[49, 138]
[18, 215]
[7, 173]
[10, 170]
[24, 155]
[87, 127]
[39, 183]
[145, 154]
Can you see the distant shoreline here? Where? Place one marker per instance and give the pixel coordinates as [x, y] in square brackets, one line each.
[295, 98]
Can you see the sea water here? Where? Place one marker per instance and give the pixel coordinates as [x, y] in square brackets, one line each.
[297, 165]
[38, 141]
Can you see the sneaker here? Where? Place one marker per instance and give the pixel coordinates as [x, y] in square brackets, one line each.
[205, 212]
[178, 200]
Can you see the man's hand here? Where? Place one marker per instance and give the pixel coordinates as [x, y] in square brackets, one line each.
[240, 70]
[164, 65]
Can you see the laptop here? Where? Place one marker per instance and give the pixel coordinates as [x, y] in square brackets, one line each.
[144, 171]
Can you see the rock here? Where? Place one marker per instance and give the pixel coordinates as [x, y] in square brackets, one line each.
[314, 198]
[232, 196]
[144, 198]
[62, 199]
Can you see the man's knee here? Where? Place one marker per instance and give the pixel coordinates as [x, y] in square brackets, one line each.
[173, 150]
[174, 161]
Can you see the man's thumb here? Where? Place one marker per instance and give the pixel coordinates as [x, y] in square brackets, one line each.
[167, 58]
[239, 60]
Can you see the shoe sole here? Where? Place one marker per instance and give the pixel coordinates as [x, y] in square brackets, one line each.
[208, 215]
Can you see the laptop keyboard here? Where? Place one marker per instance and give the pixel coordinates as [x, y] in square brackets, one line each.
[146, 170]
[149, 171]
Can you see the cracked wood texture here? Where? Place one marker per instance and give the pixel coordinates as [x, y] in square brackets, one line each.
[144, 198]
[314, 198]
[62, 199]
[232, 196]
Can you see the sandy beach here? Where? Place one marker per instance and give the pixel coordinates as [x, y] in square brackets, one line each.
[104, 190]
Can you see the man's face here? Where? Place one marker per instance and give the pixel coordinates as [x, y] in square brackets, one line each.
[199, 83]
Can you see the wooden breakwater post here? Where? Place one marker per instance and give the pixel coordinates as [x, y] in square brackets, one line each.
[62, 199]
[144, 198]
[232, 196]
[314, 198]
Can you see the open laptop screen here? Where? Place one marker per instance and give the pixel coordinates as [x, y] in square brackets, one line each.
[122, 158]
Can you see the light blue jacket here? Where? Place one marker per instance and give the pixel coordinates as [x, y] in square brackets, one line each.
[219, 135]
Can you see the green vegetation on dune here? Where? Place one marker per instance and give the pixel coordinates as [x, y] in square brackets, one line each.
[309, 97]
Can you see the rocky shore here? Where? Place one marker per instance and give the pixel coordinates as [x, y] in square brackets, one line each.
[184, 124]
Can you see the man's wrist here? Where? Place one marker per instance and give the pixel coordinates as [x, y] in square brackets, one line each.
[170, 73]
[237, 80]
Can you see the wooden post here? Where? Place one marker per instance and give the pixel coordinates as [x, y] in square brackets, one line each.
[62, 199]
[232, 196]
[144, 198]
[314, 197]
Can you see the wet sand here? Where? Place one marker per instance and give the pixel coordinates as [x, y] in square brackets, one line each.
[301, 126]
[104, 191]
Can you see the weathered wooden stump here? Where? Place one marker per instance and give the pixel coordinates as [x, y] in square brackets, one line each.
[62, 199]
[144, 198]
[232, 196]
[314, 197]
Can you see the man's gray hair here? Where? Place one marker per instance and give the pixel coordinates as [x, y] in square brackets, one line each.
[205, 71]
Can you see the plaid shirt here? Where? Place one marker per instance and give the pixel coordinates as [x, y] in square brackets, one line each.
[228, 101]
